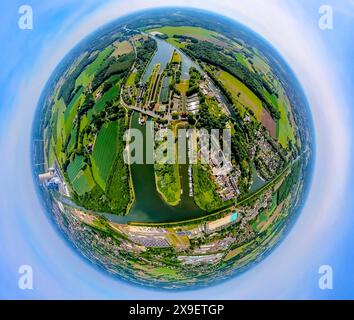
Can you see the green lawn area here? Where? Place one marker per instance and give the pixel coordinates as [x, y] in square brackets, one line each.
[131, 79]
[57, 134]
[239, 57]
[195, 32]
[152, 79]
[166, 272]
[284, 129]
[183, 86]
[246, 96]
[205, 194]
[59, 109]
[117, 186]
[83, 182]
[58, 146]
[176, 57]
[51, 152]
[104, 153]
[74, 168]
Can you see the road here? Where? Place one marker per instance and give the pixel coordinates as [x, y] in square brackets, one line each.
[143, 111]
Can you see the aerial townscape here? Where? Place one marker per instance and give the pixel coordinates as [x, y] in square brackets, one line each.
[179, 224]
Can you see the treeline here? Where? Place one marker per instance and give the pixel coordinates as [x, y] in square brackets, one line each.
[185, 38]
[144, 55]
[214, 55]
[114, 66]
[240, 154]
[194, 82]
[208, 121]
[67, 90]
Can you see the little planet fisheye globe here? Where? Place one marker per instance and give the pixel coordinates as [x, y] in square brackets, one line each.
[177, 224]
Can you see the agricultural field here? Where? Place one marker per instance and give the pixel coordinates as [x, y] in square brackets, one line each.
[240, 58]
[87, 75]
[74, 167]
[131, 79]
[87, 124]
[122, 48]
[285, 130]
[117, 185]
[193, 32]
[243, 96]
[83, 183]
[104, 153]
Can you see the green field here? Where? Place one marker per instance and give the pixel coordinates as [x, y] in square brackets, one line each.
[87, 75]
[83, 182]
[74, 167]
[111, 95]
[104, 153]
[284, 129]
[176, 57]
[166, 272]
[72, 141]
[58, 110]
[117, 186]
[195, 32]
[71, 111]
[239, 57]
[84, 122]
[131, 79]
[242, 94]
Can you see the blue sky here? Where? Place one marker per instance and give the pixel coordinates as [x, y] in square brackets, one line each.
[323, 62]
